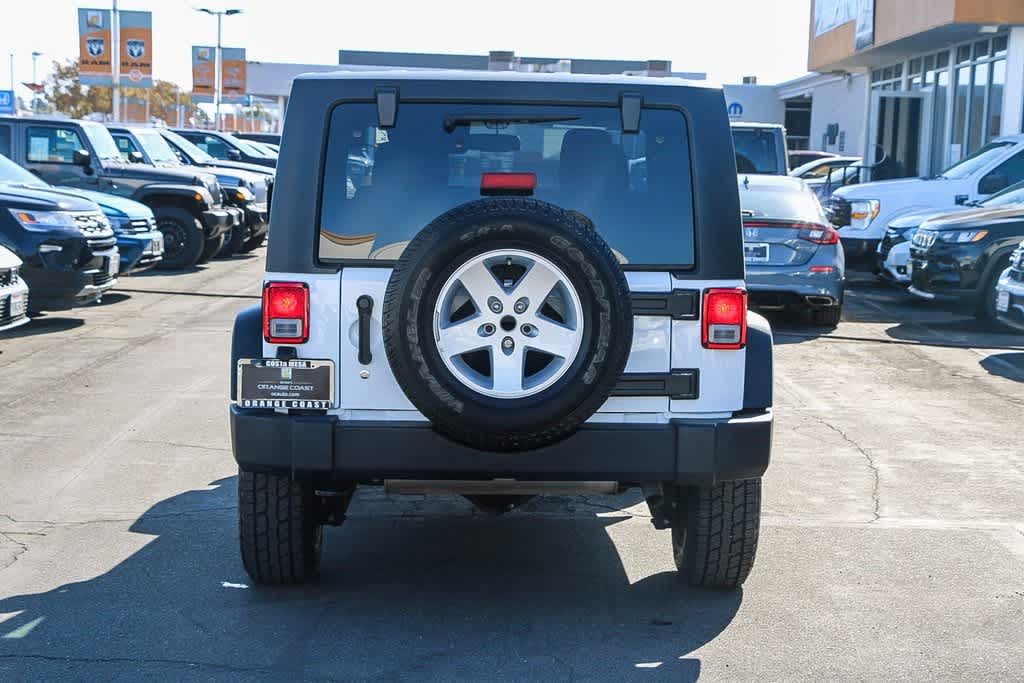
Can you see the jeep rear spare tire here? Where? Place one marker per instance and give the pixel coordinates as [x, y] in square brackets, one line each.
[507, 322]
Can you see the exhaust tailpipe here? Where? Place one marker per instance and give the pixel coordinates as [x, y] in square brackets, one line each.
[821, 301]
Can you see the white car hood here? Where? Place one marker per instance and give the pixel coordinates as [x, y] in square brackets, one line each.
[8, 259]
[883, 188]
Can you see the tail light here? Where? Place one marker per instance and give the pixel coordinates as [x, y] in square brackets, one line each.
[725, 319]
[819, 234]
[286, 312]
[811, 232]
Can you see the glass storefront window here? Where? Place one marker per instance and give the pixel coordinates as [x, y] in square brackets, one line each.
[939, 157]
[976, 130]
[961, 100]
[981, 49]
[999, 46]
[942, 60]
[995, 99]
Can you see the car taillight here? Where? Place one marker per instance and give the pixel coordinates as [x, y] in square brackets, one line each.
[286, 312]
[725, 319]
[819, 234]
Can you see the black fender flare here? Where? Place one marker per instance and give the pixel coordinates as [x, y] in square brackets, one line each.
[246, 340]
[182, 196]
[758, 371]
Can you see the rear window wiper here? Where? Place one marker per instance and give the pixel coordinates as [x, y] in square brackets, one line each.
[453, 121]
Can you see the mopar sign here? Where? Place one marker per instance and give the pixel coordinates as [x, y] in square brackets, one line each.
[735, 110]
[6, 101]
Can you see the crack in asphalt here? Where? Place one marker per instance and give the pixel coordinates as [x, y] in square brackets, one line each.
[19, 550]
[872, 465]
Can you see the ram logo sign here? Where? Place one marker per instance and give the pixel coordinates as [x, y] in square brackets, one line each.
[136, 49]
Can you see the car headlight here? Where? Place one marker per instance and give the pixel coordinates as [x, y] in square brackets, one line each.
[119, 223]
[962, 236]
[42, 221]
[863, 211]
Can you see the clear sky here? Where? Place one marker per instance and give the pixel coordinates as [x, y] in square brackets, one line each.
[727, 39]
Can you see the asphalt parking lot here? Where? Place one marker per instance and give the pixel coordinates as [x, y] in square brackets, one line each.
[892, 545]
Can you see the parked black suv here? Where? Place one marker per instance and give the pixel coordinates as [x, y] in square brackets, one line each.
[226, 146]
[958, 257]
[494, 306]
[187, 204]
[242, 190]
[66, 244]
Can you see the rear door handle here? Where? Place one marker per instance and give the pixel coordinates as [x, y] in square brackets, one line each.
[364, 305]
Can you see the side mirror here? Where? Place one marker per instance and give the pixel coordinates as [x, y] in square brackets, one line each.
[136, 157]
[993, 182]
[234, 154]
[81, 157]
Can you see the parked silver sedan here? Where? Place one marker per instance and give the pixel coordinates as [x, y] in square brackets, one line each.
[794, 258]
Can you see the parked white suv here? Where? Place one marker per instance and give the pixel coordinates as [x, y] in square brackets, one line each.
[863, 212]
[495, 307]
[13, 292]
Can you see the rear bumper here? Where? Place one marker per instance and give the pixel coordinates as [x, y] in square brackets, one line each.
[799, 288]
[682, 452]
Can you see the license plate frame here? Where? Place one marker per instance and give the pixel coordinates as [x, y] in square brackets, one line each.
[298, 384]
[756, 252]
[1003, 301]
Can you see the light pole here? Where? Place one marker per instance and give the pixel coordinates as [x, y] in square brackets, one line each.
[35, 92]
[217, 94]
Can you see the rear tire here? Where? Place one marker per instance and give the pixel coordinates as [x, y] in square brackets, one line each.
[715, 531]
[211, 247]
[829, 316]
[183, 237]
[279, 531]
[986, 309]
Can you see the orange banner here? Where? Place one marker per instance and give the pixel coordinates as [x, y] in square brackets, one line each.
[94, 47]
[136, 49]
[233, 73]
[203, 80]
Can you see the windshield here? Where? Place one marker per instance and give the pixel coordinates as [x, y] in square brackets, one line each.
[436, 157]
[102, 141]
[755, 150]
[1014, 194]
[10, 172]
[249, 148]
[157, 149]
[979, 159]
[194, 153]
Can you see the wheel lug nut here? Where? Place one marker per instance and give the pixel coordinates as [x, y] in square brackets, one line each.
[528, 330]
[508, 344]
[521, 305]
[487, 329]
[494, 304]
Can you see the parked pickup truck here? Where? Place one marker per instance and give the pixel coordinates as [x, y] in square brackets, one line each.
[81, 154]
[862, 212]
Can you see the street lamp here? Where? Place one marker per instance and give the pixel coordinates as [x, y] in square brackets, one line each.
[217, 94]
[35, 92]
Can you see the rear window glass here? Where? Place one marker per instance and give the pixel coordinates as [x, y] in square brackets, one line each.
[787, 202]
[381, 186]
[756, 150]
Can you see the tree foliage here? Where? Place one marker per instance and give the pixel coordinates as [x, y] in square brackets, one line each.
[65, 93]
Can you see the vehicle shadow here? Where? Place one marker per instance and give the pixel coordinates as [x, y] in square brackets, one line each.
[402, 596]
[1006, 365]
[113, 298]
[155, 272]
[957, 331]
[42, 325]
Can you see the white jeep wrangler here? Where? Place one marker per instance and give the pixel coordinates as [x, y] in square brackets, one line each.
[528, 284]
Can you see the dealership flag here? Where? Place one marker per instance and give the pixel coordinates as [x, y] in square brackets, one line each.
[94, 47]
[233, 73]
[136, 49]
[203, 58]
